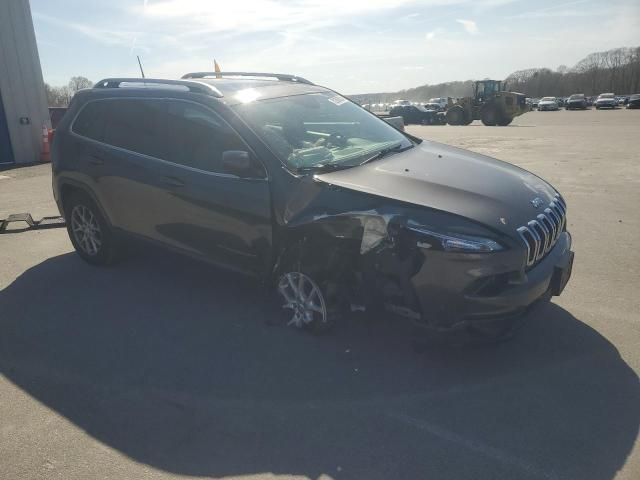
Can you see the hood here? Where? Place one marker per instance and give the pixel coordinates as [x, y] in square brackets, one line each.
[480, 188]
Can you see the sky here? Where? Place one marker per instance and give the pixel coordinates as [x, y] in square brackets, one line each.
[353, 46]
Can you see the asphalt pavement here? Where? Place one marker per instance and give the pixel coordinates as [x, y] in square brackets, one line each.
[161, 367]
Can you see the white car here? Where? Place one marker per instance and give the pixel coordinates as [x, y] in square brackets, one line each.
[441, 101]
[606, 100]
[548, 103]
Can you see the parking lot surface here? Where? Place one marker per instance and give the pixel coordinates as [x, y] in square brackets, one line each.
[161, 367]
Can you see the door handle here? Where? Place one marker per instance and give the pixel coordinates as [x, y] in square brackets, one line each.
[172, 182]
[95, 160]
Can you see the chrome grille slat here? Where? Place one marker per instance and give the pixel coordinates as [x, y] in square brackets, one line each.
[541, 233]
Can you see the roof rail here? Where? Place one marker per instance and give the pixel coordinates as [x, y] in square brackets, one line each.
[280, 76]
[192, 86]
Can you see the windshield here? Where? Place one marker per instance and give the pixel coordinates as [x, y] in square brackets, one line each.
[606, 95]
[320, 130]
[576, 97]
[548, 99]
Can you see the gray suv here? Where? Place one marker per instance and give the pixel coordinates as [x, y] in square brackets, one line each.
[272, 176]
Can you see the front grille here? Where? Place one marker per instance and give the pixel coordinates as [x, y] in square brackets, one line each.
[542, 233]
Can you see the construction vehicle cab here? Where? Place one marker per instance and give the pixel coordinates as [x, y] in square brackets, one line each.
[490, 103]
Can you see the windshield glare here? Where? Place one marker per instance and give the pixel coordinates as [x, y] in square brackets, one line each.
[548, 99]
[318, 129]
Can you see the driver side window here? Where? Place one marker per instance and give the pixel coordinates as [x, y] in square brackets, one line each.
[197, 138]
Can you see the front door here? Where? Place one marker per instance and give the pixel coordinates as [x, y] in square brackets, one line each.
[208, 212]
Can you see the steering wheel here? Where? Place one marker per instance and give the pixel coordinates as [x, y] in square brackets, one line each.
[337, 140]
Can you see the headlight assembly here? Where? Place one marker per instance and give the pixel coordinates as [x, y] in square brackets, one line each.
[454, 243]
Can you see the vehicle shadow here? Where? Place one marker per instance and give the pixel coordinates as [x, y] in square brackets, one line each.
[179, 366]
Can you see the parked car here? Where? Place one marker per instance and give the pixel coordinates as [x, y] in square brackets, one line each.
[417, 114]
[548, 103]
[534, 103]
[435, 107]
[634, 101]
[606, 100]
[442, 102]
[577, 101]
[292, 183]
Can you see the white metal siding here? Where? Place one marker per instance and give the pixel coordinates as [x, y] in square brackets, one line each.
[21, 83]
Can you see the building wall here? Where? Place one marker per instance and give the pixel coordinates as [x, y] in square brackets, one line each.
[21, 83]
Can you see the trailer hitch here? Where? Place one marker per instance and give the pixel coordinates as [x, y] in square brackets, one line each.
[43, 223]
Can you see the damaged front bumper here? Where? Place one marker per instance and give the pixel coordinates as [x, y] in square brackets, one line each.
[446, 292]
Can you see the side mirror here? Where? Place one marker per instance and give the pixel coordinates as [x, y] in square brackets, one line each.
[238, 162]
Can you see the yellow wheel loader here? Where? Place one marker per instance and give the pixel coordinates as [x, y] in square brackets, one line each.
[490, 103]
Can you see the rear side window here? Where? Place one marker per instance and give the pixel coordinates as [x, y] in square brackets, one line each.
[91, 121]
[136, 125]
[132, 124]
[196, 137]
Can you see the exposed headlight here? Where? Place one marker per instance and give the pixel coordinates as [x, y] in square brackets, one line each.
[375, 231]
[454, 243]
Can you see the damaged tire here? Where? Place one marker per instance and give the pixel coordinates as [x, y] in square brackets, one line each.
[309, 301]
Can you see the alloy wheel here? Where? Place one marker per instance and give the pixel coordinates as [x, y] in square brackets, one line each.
[86, 230]
[303, 296]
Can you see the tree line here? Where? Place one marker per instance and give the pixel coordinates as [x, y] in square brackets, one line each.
[61, 96]
[616, 71]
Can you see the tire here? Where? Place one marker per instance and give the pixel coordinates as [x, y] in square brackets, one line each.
[455, 116]
[317, 309]
[89, 232]
[505, 121]
[489, 117]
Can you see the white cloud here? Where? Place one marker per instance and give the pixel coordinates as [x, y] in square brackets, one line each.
[469, 25]
[261, 15]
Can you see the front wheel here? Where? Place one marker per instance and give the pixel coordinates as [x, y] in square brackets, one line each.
[88, 230]
[455, 116]
[489, 117]
[308, 300]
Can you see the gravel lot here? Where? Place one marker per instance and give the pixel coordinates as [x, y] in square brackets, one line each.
[161, 367]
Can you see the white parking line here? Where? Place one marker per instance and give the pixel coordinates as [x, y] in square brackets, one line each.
[477, 447]
[3, 177]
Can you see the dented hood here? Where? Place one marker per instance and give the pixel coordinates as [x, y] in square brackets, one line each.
[480, 188]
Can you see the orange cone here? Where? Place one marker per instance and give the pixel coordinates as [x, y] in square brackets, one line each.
[45, 152]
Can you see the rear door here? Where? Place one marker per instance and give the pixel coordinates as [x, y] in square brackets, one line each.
[124, 139]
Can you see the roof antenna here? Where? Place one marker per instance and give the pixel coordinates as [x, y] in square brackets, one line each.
[140, 64]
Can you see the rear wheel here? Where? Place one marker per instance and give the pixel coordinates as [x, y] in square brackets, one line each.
[504, 121]
[88, 230]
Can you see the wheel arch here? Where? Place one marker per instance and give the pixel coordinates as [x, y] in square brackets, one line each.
[69, 187]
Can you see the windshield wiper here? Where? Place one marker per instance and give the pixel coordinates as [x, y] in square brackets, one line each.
[386, 151]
